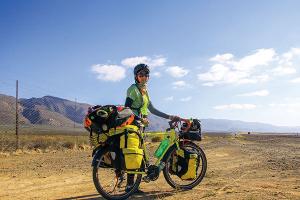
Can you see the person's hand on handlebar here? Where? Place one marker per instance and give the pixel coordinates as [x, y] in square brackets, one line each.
[174, 118]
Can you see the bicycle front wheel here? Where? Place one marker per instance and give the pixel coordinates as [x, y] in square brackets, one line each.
[110, 182]
[174, 180]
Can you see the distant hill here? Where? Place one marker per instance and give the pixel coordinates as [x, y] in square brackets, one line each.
[47, 110]
[8, 111]
[218, 125]
[54, 111]
[157, 123]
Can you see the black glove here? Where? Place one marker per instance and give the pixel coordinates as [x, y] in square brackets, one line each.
[174, 118]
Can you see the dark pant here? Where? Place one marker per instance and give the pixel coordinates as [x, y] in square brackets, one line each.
[130, 179]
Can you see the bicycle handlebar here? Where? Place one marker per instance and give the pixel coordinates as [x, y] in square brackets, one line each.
[173, 123]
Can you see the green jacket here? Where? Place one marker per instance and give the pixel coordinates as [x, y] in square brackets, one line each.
[135, 101]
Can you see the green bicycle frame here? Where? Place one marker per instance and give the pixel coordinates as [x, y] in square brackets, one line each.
[172, 137]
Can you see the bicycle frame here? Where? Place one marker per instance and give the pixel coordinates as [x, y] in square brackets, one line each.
[172, 137]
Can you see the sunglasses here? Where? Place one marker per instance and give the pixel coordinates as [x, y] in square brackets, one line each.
[143, 74]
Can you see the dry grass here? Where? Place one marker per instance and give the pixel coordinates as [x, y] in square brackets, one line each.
[34, 142]
[49, 140]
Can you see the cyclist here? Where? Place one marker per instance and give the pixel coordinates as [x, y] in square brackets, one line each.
[138, 100]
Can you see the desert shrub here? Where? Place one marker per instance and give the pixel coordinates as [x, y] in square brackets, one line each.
[69, 145]
[36, 144]
[7, 142]
[7, 146]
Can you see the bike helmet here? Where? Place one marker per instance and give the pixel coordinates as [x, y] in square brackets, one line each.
[141, 67]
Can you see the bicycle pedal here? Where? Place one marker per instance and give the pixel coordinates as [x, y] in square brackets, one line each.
[146, 179]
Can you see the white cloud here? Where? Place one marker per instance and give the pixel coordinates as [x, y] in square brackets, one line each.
[152, 62]
[216, 73]
[235, 107]
[292, 99]
[229, 70]
[220, 74]
[223, 58]
[261, 57]
[286, 62]
[284, 70]
[158, 61]
[260, 93]
[287, 104]
[185, 99]
[286, 107]
[109, 72]
[296, 80]
[209, 84]
[156, 74]
[133, 61]
[171, 98]
[180, 85]
[177, 71]
[288, 56]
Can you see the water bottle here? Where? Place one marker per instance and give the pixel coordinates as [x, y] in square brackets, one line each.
[162, 147]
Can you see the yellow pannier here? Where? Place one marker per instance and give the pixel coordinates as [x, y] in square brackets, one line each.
[133, 158]
[187, 164]
[96, 139]
[130, 140]
[119, 130]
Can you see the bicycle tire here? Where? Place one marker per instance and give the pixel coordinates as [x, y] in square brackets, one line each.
[101, 190]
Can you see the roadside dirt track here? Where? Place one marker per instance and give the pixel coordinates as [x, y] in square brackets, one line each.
[241, 167]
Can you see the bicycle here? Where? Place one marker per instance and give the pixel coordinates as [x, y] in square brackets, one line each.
[179, 138]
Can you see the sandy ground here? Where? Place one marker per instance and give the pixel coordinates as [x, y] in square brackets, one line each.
[241, 167]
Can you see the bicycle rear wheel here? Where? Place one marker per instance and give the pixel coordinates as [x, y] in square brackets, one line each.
[176, 182]
[110, 182]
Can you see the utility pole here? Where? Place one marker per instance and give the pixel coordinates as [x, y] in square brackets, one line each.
[75, 112]
[17, 115]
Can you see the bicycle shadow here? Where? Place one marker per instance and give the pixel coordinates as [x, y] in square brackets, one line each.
[145, 196]
[153, 195]
[85, 197]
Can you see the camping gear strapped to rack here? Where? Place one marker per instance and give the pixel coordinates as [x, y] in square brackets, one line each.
[119, 123]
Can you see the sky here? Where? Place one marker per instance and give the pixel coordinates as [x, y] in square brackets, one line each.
[229, 59]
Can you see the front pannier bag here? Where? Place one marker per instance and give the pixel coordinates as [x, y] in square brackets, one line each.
[185, 164]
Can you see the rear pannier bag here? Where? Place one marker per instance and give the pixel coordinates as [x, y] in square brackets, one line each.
[130, 145]
[130, 140]
[185, 164]
[133, 158]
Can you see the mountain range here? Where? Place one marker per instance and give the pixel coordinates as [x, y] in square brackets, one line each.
[54, 111]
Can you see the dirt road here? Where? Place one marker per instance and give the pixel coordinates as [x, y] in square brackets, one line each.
[241, 167]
